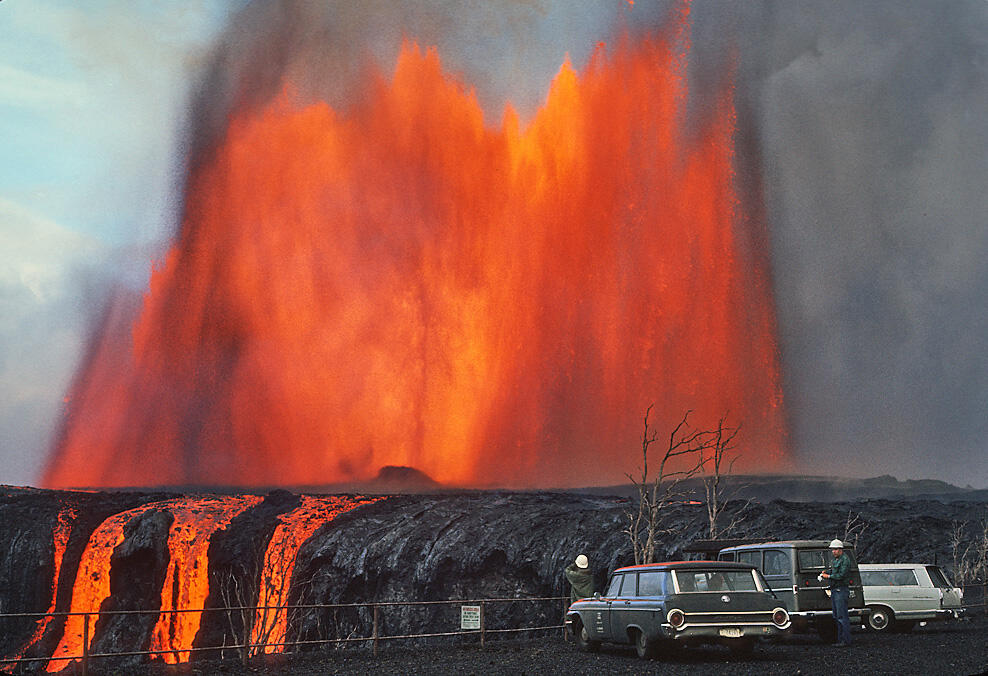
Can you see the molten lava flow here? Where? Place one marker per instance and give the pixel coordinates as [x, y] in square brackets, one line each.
[400, 284]
[92, 584]
[186, 585]
[187, 582]
[60, 540]
[270, 625]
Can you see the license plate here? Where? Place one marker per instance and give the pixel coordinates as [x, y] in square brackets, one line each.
[731, 632]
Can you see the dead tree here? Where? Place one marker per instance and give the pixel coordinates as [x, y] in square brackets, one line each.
[854, 529]
[683, 458]
[719, 461]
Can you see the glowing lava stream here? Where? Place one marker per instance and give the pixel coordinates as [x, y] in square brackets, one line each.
[196, 519]
[296, 527]
[187, 582]
[60, 539]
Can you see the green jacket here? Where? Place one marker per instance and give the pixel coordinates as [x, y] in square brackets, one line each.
[581, 582]
[840, 569]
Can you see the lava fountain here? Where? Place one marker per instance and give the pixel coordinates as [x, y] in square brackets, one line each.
[400, 283]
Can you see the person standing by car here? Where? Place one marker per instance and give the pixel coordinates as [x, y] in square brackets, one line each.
[838, 573]
[580, 578]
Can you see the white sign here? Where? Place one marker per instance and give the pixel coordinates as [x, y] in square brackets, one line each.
[469, 617]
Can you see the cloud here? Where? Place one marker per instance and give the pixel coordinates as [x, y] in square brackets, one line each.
[47, 293]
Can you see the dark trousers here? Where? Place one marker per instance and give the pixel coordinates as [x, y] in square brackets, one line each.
[838, 601]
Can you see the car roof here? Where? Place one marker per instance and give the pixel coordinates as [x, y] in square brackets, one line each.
[892, 566]
[687, 565]
[823, 544]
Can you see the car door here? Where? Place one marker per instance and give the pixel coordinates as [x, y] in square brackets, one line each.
[597, 620]
[777, 570]
[918, 591]
[622, 608]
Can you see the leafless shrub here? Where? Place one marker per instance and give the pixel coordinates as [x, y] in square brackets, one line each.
[718, 462]
[970, 554]
[854, 529]
[686, 451]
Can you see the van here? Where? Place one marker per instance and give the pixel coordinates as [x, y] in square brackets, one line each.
[791, 568]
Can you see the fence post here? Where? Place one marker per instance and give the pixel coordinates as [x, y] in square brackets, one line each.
[85, 644]
[481, 624]
[565, 608]
[375, 631]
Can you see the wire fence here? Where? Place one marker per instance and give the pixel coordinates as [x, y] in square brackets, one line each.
[976, 596]
[473, 622]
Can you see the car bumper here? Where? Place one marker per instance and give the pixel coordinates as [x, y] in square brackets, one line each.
[722, 632]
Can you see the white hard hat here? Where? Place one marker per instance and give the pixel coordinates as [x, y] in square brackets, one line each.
[582, 562]
[836, 544]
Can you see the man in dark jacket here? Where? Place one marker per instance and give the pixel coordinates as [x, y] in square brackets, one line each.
[580, 578]
[838, 573]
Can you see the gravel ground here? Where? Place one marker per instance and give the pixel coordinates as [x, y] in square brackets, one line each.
[955, 648]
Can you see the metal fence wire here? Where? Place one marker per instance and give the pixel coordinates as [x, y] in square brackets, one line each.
[370, 617]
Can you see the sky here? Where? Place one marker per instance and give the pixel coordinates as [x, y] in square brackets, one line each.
[861, 128]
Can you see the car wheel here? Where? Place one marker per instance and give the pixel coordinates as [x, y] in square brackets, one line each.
[584, 641]
[880, 618]
[744, 646]
[644, 647]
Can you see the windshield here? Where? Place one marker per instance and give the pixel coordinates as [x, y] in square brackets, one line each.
[715, 580]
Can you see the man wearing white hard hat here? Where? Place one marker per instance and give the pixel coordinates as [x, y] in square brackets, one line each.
[837, 573]
[580, 578]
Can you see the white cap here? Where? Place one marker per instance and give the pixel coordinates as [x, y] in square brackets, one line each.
[836, 544]
[582, 562]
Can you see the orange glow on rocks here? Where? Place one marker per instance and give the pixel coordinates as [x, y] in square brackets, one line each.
[402, 284]
[295, 527]
[60, 540]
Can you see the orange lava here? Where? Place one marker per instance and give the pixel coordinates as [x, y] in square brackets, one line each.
[60, 540]
[186, 586]
[187, 582]
[402, 284]
[271, 626]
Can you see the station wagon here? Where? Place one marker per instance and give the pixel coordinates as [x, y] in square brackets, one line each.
[683, 602]
[900, 594]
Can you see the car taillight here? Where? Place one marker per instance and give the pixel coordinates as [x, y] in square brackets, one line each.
[676, 618]
[780, 617]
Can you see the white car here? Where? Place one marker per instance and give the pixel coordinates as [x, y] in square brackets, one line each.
[901, 594]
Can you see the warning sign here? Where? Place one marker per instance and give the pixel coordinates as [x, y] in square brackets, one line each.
[469, 617]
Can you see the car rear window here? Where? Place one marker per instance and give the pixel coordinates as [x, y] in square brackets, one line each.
[715, 580]
[889, 578]
[652, 583]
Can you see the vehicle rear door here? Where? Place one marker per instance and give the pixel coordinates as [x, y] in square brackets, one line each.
[951, 594]
[777, 570]
[812, 593]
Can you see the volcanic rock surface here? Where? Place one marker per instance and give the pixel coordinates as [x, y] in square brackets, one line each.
[466, 545]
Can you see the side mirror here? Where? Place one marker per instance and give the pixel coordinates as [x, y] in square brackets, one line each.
[596, 596]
